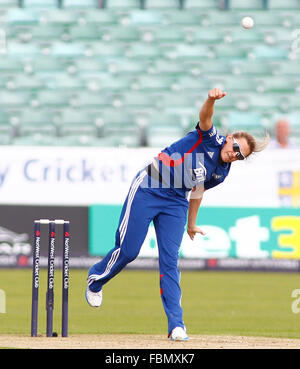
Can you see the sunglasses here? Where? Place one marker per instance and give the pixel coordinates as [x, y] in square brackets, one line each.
[237, 149]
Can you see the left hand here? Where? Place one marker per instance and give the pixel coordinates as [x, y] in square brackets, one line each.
[193, 230]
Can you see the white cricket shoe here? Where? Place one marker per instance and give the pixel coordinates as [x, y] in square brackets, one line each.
[94, 299]
[178, 334]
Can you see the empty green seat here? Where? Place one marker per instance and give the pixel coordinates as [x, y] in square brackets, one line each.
[35, 139]
[263, 102]
[189, 82]
[122, 139]
[145, 18]
[127, 66]
[118, 118]
[144, 51]
[276, 84]
[62, 81]
[251, 67]
[63, 49]
[246, 5]
[54, 98]
[6, 4]
[8, 64]
[242, 121]
[186, 51]
[122, 4]
[84, 32]
[163, 119]
[104, 49]
[203, 4]
[23, 82]
[284, 5]
[232, 83]
[13, 99]
[238, 36]
[87, 99]
[286, 67]
[158, 4]
[36, 121]
[134, 99]
[46, 32]
[269, 18]
[204, 35]
[182, 18]
[206, 67]
[6, 129]
[80, 4]
[81, 140]
[294, 118]
[97, 17]
[164, 34]
[21, 16]
[169, 67]
[40, 4]
[66, 129]
[228, 52]
[5, 138]
[155, 82]
[163, 136]
[120, 33]
[178, 104]
[15, 48]
[59, 16]
[76, 122]
[106, 82]
[278, 36]
[44, 64]
[87, 65]
[292, 102]
[269, 52]
[220, 18]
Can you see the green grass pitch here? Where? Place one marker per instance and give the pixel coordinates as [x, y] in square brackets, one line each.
[230, 303]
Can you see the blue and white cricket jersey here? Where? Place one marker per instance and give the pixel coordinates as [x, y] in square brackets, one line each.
[193, 161]
[189, 162]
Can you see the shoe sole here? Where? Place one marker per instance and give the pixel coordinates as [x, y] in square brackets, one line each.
[179, 339]
[88, 301]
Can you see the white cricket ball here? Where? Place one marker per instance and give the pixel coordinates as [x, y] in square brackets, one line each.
[247, 22]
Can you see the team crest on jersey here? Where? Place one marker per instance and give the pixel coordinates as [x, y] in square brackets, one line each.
[211, 154]
[217, 176]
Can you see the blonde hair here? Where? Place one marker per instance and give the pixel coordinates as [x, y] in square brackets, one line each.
[255, 144]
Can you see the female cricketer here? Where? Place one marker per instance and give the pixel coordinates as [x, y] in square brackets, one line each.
[169, 192]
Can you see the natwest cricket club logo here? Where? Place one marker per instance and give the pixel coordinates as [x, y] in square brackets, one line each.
[289, 188]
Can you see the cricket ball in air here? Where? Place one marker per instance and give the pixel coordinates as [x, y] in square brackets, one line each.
[247, 22]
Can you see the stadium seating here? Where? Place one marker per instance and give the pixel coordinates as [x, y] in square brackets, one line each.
[6, 4]
[105, 70]
[158, 4]
[80, 4]
[283, 5]
[246, 5]
[122, 4]
[203, 4]
[40, 4]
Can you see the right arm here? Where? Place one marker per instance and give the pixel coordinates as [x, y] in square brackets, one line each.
[207, 110]
[194, 205]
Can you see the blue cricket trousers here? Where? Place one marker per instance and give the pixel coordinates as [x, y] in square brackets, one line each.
[168, 213]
